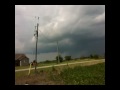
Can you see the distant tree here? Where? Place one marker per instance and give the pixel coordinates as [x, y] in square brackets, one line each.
[91, 56]
[68, 58]
[96, 56]
[82, 57]
[47, 61]
[60, 58]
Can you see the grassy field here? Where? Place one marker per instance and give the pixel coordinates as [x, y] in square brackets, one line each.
[87, 75]
[53, 63]
[79, 74]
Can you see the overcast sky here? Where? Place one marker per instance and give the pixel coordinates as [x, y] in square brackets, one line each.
[79, 29]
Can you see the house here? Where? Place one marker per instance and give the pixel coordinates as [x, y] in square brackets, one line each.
[21, 60]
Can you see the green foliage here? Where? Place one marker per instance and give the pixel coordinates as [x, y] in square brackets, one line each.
[68, 58]
[82, 57]
[47, 61]
[88, 75]
[91, 56]
[60, 58]
[96, 56]
[53, 68]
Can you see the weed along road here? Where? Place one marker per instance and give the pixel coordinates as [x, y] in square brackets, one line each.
[60, 65]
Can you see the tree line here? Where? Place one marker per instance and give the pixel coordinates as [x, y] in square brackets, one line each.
[68, 58]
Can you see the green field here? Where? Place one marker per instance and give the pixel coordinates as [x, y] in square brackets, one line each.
[83, 75]
[79, 74]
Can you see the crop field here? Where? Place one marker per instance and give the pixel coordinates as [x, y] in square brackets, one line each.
[79, 74]
[87, 75]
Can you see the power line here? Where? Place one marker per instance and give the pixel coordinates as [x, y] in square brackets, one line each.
[57, 48]
[58, 53]
[46, 39]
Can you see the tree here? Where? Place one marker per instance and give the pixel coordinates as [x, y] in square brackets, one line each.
[82, 57]
[60, 58]
[96, 56]
[47, 61]
[91, 56]
[68, 58]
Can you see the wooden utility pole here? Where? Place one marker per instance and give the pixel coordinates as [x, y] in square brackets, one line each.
[57, 53]
[36, 33]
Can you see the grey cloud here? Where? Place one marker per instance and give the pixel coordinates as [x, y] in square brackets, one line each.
[79, 29]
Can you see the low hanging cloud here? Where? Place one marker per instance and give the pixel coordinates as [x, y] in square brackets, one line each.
[79, 29]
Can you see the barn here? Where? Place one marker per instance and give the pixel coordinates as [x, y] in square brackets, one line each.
[21, 60]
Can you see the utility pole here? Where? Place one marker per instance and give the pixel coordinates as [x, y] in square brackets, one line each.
[36, 33]
[57, 52]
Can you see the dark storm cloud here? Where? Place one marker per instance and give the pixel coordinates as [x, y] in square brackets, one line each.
[80, 30]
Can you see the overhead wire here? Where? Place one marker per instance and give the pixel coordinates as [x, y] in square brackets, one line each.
[47, 38]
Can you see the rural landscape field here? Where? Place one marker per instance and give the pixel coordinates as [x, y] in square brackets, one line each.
[59, 44]
[86, 73]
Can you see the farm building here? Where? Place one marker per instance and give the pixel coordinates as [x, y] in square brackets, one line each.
[21, 60]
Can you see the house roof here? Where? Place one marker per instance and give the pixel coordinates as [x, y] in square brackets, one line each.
[20, 56]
